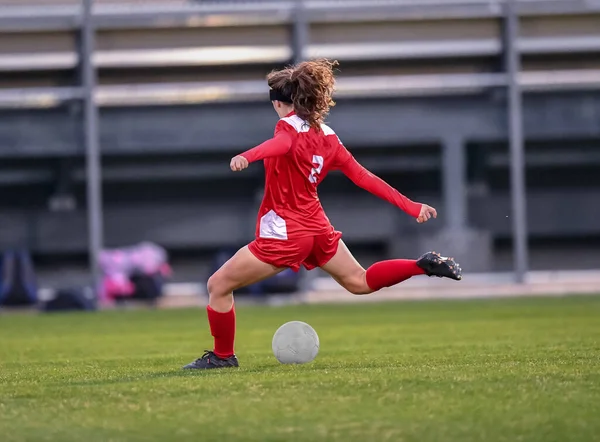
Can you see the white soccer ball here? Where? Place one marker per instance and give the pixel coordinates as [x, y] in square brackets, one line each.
[295, 342]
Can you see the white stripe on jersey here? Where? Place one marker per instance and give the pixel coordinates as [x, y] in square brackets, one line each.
[327, 130]
[302, 126]
[297, 123]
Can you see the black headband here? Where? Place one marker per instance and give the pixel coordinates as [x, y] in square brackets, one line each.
[277, 95]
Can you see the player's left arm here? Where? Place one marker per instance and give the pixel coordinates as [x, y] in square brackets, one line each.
[280, 144]
[360, 176]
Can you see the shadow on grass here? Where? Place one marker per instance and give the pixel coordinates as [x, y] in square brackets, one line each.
[243, 371]
[171, 374]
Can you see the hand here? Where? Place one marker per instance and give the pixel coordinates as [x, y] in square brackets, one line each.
[426, 213]
[238, 163]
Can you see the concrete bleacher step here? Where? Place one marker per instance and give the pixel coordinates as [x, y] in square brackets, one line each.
[347, 87]
[269, 54]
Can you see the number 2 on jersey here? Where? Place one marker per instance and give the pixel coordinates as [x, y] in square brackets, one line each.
[318, 162]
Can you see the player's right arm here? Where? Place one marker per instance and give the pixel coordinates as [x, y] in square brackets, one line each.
[364, 179]
[280, 144]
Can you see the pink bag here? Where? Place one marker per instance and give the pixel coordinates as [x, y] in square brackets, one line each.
[118, 265]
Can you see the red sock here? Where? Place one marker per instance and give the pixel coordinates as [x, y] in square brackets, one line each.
[222, 327]
[388, 273]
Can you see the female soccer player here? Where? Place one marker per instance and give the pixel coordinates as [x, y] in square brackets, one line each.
[292, 228]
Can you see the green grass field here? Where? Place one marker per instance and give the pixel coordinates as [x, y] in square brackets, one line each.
[499, 370]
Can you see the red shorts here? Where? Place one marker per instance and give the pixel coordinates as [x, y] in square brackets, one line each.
[310, 251]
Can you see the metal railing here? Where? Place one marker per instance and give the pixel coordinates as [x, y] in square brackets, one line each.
[111, 14]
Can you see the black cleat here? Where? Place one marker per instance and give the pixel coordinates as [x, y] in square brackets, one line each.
[440, 266]
[211, 360]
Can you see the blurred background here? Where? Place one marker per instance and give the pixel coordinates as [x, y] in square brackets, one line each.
[118, 120]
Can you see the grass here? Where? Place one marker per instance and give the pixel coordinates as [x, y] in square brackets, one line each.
[495, 370]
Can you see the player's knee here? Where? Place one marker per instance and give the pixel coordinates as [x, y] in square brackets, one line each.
[214, 286]
[357, 284]
[359, 289]
[219, 293]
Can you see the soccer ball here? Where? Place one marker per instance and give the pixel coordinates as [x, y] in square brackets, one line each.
[295, 342]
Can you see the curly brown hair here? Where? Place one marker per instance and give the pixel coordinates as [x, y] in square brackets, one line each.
[310, 85]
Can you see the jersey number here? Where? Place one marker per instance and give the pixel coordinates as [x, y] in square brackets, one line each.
[318, 162]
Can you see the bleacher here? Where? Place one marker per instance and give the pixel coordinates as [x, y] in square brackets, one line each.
[175, 76]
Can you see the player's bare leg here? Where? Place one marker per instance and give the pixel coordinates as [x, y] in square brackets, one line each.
[241, 270]
[346, 270]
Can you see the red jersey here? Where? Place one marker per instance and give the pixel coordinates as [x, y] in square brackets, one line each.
[296, 160]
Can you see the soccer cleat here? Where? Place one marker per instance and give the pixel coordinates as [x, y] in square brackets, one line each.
[210, 360]
[435, 265]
